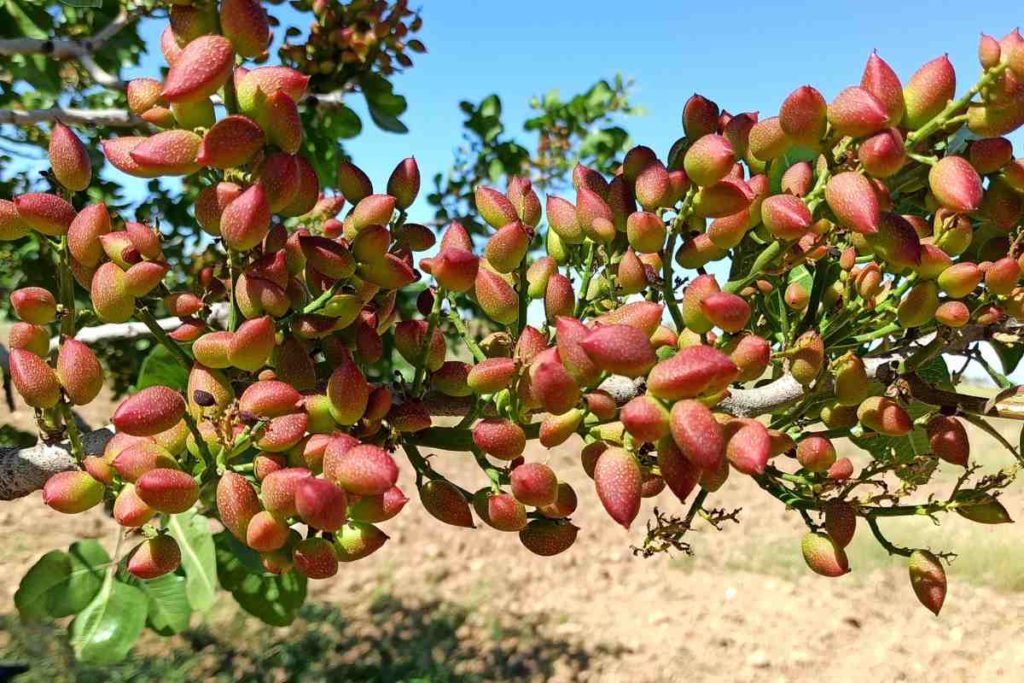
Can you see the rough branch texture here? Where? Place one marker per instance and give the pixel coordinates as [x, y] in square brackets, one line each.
[97, 333]
[109, 118]
[25, 470]
[91, 335]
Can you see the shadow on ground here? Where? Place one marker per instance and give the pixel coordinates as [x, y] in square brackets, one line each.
[387, 640]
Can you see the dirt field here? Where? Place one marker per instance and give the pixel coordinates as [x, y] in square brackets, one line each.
[439, 603]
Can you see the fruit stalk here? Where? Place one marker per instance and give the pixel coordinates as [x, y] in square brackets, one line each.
[886, 544]
[588, 272]
[954, 106]
[233, 275]
[460, 327]
[667, 288]
[766, 256]
[74, 435]
[67, 290]
[179, 353]
[421, 366]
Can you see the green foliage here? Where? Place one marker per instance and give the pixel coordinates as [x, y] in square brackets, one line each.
[383, 637]
[274, 599]
[167, 603]
[105, 631]
[62, 583]
[911, 454]
[192, 532]
[583, 129]
[111, 608]
[161, 368]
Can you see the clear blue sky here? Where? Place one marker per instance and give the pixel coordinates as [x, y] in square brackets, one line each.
[744, 55]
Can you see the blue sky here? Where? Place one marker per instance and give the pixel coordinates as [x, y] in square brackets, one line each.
[747, 56]
[744, 55]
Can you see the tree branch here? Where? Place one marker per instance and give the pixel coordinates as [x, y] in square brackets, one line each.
[98, 333]
[81, 50]
[25, 470]
[110, 118]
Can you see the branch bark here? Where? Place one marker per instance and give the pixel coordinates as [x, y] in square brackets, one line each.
[98, 333]
[109, 118]
[23, 471]
[81, 50]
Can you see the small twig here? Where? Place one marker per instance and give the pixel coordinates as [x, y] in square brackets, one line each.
[883, 541]
[161, 336]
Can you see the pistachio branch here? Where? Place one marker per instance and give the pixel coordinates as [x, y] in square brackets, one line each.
[80, 50]
[107, 118]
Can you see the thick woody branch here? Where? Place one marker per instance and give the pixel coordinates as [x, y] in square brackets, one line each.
[66, 49]
[785, 390]
[119, 118]
[108, 118]
[25, 470]
[99, 333]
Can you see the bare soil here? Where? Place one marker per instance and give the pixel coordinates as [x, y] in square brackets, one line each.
[440, 603]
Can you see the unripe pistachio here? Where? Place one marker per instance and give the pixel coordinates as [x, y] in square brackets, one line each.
[918, 306]
[708, 160]
[885, 416]
[823, 555]
[815, 453]
[618, 480]
[955, 184]
[767, 139]
[807, 357]
[881, 81]
[855, 112]
[700, 117]
[883, 154]
[853, 201]
[69, 159]
[803, 116]
[928, 579]
[952, 314]
[928, 91]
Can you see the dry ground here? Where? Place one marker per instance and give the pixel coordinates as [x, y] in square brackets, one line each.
[439, 603]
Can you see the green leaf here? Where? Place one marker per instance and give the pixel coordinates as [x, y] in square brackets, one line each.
[198, 559]
[249, 558]
[167, 600]
[779, 166]
[62, 583]
[1009, 355]
[342, 123]
[936, 373]
[387, 122]
[384, 105]
[88, 562]
[801, 275]
[274, 599]
[31, 21]
[161, 368]
[49, 571]
[108, 627]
